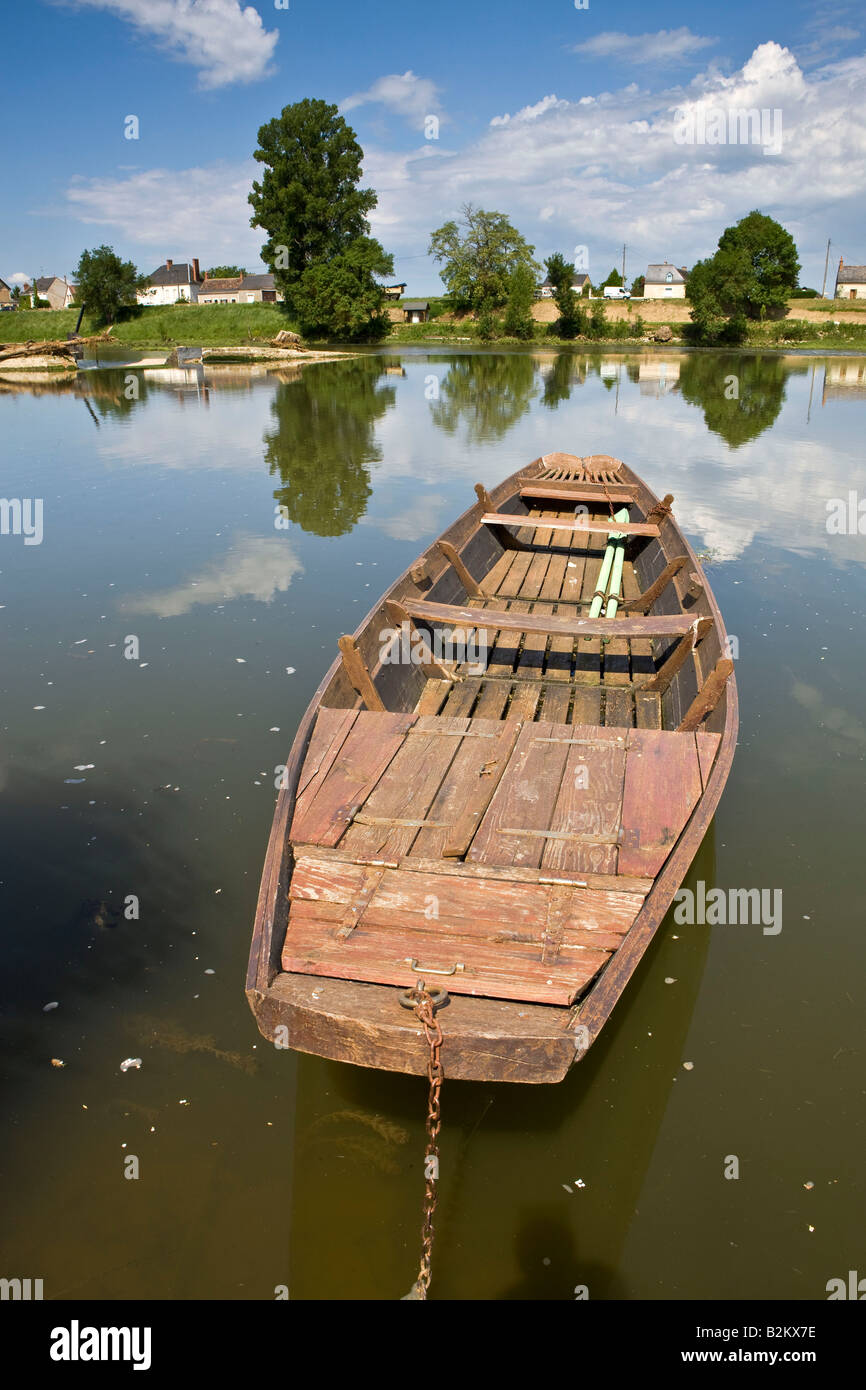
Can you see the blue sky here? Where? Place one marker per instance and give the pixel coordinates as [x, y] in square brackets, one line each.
[563, 118]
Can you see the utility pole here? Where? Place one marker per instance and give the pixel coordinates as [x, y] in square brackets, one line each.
[826, 263]
[623, 263]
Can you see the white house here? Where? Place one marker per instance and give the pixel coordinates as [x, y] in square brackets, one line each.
[57, 291]
[170, 283]
[664, 281]
[850, 282]
[545, 289]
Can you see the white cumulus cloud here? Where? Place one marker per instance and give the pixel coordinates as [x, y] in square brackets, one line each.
[404, 93]
[225, 41]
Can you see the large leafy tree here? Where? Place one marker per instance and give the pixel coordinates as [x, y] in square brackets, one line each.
[753, 273]
[315, 215]
[572, 319]
[226, 272]
[479, 255]
[339, 298]
[519, 322]
[106, 284]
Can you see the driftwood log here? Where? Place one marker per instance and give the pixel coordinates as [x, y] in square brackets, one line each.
[50, 347]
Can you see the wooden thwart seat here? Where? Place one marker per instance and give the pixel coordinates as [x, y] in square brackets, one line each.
[572, 524]
[507, 620]
[581, 492]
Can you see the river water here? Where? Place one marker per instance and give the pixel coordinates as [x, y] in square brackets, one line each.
[159, 647]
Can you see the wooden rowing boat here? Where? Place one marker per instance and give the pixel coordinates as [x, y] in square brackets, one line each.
[499, 785]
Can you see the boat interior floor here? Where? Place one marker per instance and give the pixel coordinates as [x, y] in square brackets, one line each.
[558, 678]
[510, 857]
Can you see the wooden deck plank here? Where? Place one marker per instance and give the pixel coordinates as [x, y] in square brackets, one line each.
[662, 788]
[381, 957]
[368, 748]
[407, 788]
[557, 702]
[474, 907]
[492, 700]
[417, 863]
[708, 746]
[587, 653]
[327, 738]
[524, 700]
[641, 648]
[463, 696]
[647, 710]
[473, 770]
[589, 802]
[524, 798]
[433, 696]
[618, 707]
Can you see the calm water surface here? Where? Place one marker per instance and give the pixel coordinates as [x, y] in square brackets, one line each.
[154, 777]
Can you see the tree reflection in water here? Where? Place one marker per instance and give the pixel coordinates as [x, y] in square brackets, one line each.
[486, 393]
[324, 442]
[740, 395]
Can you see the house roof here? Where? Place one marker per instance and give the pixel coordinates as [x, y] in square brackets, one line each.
[265, 281]
[218, 283]
[4, 286]
[579, 278]
[416, 304]
[851, 275]
[46, 281]
[231, 283]
[658, 274]
[172, 275]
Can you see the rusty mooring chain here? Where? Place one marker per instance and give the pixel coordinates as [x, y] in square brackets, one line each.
[425, 1003]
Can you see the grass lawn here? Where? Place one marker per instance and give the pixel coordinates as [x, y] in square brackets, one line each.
[199, 325]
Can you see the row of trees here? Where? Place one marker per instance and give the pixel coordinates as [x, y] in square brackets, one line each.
[315, 214]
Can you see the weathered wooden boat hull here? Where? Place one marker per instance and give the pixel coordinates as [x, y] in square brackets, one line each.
[486, 1038]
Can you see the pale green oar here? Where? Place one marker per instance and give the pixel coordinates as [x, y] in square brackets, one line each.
[611, 566]
[615, 578]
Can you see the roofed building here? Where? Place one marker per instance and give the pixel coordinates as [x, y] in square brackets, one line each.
[664, 281]
[239, 289]
[545, 289]
[58, 292]
[850, 281]
[416, 310]
[170, 283]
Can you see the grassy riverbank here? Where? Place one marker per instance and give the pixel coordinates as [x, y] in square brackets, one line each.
[241, 325]
[205, 325]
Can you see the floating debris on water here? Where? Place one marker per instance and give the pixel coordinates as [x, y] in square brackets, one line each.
[57, 1062]
[131, 1062]
[46, 1008]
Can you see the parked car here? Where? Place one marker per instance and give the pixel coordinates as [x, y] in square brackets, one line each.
[616, 292]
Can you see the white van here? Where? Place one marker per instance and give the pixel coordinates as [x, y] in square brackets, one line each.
[616, 292]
